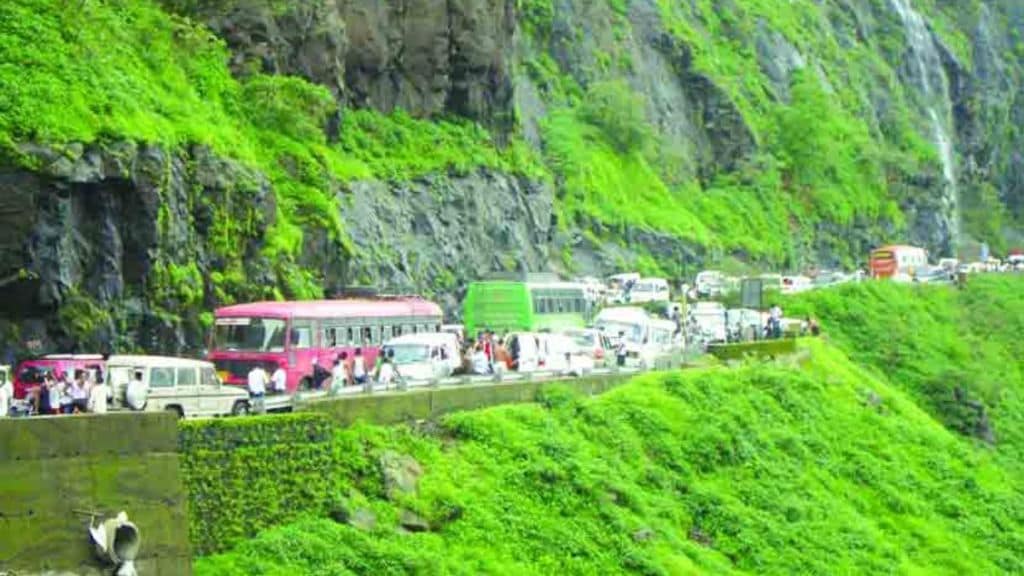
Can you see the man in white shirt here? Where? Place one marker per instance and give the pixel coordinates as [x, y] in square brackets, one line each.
[135, 394]
[279, 379]
[257, 387]
[98, 398]
[6, 393]
[339, 374]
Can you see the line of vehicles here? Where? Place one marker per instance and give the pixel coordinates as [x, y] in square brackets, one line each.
[547, 325]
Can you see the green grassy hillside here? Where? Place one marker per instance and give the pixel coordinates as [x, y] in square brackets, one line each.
[819, 467]
[855, 458]
[959, 354]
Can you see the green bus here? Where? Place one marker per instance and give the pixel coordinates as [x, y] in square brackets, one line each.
[506, 306]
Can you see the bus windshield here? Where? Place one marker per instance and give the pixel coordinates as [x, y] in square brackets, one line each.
[250, 334]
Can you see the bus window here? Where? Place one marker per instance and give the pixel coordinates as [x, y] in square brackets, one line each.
[398, 330]
[368, 336]
[331, 337]
[351, 340]
[415, 329]
[385, 333]
[302, 334]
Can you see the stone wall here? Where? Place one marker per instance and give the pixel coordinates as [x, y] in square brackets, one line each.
[424, 404]
[52, 469]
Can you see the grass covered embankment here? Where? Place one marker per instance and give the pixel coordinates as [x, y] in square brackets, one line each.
[958, 353]
[825, 467]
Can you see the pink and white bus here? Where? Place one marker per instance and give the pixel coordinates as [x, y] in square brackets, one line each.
[292, 334]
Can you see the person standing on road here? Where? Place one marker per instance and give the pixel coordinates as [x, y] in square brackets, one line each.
[79, 393]
[620, 350]
[359, 367]
[49, 396]
[6, 393]
[775, 320]
[135, 394]
[386, 368]
[339, 374]
[67, 403]
[98, 394]
[279, 380]
[257, 388]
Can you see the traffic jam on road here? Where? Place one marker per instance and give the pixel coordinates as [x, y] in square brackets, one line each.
[263, 355]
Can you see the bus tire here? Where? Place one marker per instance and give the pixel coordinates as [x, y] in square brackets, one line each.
[306, 384]
[176, 410]
[241, 408]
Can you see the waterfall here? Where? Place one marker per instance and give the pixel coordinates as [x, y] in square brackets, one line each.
[925, 71]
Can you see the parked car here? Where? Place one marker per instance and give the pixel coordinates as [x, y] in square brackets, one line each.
[425, 356]
[188, 388]
[594, 343]
[541, 352]
[933, 275]
[710, 284]
[649, 290]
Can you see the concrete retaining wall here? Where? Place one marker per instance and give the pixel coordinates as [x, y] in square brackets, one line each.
[52, 467]
[426, 403]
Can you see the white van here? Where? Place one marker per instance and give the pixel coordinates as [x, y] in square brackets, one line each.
[710, 283]
[425, 356]
[649, 290]
[646, 338]
[542, 352]
[189, 388]
[707, 321]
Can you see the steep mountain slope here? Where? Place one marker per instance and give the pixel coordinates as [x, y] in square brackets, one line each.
[163, 157]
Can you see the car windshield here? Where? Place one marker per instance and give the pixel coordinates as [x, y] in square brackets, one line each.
[250, 334]
[410, 353]
[586, 339]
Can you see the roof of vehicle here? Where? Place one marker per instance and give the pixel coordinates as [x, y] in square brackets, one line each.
[72, 357]
[623, 314]
[895, 247]
[556, 285]
[699, 307]
[140, 361]
[425, 338]
[356, 308]
[709, 273]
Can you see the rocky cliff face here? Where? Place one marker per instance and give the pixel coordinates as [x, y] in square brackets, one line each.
[781, 139]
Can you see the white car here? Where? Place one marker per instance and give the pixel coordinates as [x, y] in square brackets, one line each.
[542, 352]
[710, 283]
[425, 356]
[188, 388]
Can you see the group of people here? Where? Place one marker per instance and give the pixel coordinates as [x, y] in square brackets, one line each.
[65, 393]
[346, 371]
[488, 355]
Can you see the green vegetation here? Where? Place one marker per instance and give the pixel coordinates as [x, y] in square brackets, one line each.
[246, 475]
[957, 353]
[112, 70]
[820, 468]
